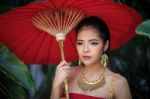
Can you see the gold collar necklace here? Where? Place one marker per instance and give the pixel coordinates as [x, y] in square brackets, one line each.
[86, 85]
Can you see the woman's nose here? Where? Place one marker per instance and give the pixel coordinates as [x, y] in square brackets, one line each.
[86, 48]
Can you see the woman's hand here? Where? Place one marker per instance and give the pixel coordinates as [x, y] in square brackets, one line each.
[62, 72]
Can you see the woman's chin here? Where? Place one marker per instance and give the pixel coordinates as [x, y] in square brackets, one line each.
[87, 63]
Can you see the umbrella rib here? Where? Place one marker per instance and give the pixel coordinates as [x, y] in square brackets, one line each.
[39, 24]
[77, 18]
[54, 23]
[51, 26]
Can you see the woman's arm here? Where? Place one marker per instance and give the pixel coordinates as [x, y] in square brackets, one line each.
[122, 90]
[62, 72]
[56, 92]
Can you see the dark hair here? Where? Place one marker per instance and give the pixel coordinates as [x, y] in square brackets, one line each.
[97, 24]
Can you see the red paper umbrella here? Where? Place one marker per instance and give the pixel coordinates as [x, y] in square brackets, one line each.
[33, 45]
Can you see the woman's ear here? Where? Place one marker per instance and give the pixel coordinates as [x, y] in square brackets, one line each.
[106, 45]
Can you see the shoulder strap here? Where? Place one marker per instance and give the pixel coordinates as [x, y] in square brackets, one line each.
[112, 86]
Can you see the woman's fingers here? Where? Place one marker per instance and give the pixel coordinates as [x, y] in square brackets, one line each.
[66, 70]
[64, 67]
[62, 72]
[63, 63]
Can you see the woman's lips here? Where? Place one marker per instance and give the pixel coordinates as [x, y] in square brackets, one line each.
[87, 57]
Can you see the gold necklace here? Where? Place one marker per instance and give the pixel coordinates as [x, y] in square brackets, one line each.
[86, 85]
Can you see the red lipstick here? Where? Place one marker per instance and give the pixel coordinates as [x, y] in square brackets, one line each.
[87, 57]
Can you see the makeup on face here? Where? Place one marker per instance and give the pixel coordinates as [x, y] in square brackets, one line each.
[89, 46]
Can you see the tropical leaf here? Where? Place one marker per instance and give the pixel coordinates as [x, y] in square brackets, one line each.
[144, 28]
[10, 89]
[15, 69]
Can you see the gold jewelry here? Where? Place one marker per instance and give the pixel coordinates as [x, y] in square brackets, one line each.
[86, 85]
[104, 60]
[79, 62]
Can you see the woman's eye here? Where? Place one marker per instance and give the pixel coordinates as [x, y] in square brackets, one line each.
[94, 43]
[79, 43]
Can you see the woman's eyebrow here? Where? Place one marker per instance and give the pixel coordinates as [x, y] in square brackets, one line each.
[88, 40]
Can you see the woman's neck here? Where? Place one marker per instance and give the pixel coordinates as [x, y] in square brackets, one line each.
[93, 69]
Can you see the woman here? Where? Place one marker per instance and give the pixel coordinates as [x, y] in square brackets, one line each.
[91, 79]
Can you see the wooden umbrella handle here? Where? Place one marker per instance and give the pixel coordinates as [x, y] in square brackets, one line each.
[61, 45]
[66, 89]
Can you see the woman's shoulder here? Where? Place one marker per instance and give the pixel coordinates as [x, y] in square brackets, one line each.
[120, 86]
[119, 79]
[117, 76]
[121, 89]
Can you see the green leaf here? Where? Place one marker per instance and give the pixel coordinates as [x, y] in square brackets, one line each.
[10, 89]
[15, 69]
[144, 28]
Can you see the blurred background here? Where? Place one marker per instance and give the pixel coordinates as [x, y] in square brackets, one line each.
[131, 60]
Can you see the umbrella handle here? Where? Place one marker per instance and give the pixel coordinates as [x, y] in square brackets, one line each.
[61, 45]
[66, 89]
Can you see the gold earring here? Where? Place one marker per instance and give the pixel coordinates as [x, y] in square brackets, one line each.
[104, 60]
[79, 62]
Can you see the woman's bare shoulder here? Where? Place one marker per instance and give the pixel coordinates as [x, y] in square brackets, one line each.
[122, 87]
[121, 80]
[117, 75]
[122, 90]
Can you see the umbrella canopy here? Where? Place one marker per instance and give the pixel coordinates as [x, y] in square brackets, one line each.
[34, 46]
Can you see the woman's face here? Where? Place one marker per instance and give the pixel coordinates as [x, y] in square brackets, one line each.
[90, 46]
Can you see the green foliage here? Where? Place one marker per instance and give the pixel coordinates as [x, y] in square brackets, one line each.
[15, 75]
[10, 89]
[144, 28]
[141, 6]
[6, 5]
